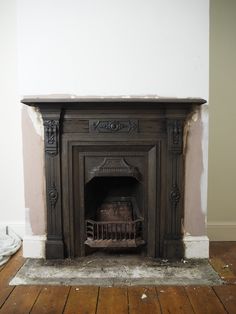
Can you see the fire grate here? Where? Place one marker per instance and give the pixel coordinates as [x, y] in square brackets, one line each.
[114, 233]
[118, 224]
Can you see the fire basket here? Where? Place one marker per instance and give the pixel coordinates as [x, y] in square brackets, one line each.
[117, 226]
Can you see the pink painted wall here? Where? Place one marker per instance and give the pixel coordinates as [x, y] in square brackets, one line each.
[34, 180]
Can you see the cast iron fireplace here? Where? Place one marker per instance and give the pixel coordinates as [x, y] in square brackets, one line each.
[114, 174]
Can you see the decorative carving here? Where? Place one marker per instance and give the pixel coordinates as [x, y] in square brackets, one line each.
[114, 167]
[113, 126]
[176, 132]
[175, 136]
[51, 136]
[53, 195]
[175, 196]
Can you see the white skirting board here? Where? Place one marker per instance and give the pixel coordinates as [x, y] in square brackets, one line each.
[17, 227]
[34, 246]
[195, 247]
[221, 231]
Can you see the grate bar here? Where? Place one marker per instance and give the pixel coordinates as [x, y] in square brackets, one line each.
[114, 233]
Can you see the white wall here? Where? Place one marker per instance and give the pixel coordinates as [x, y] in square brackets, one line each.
[11, 174]
[113, 47]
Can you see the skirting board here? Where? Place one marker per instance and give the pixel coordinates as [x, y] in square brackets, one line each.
[221, 231]
[18, 228]
[195, 247]
[34, 246]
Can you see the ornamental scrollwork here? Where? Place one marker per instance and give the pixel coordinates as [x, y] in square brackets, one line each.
[175, 136]
[51, 136]
[113, 126]
[53, 196]
[175, 196]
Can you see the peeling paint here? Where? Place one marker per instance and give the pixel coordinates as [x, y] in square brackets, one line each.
[193, 118]
[36, 119]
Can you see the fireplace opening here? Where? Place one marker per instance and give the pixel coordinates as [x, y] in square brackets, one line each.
[114, 216]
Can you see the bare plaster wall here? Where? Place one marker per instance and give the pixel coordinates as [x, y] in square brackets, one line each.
[34, 180]
[195, 211]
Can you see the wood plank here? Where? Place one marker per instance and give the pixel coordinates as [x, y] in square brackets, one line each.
[227, 295]
[82, 300]
[51, 300]
[7, 273]
[1, 267]
[223, 269]
[4, 294]
[143, 300]
[204, 300]
[174, 300]
[223, 259]
[222, 249]
[112, 300]
[11, 268]
[21, 300]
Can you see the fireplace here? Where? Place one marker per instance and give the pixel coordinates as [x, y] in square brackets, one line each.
[114, 172]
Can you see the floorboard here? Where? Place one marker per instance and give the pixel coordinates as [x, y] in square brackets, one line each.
[223, 259]
[227, 295]
[204, 300]
[8, 272]
[21, 300]
[112, 300]
[223, 269]
[174, 300]
[82, 300]
[143, 300]
[52, 299]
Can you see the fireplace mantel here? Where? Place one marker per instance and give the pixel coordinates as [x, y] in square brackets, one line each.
[77, 102]
[142, 134]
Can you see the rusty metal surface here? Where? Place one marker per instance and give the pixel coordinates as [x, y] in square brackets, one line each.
[115, 210]
[117, 225]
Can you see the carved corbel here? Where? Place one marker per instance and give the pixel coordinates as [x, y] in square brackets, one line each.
[51, 130]
[175, 136]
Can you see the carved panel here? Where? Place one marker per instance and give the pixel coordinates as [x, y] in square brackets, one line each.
[113, 126]
[53, 195]
[175, 136]
[175, 196]
[113, 166]
[175, 210]
[51, 128]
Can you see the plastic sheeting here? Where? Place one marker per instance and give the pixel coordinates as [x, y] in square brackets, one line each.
[9, 244]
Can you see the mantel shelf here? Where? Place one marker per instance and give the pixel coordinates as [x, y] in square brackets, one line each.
[95, 102]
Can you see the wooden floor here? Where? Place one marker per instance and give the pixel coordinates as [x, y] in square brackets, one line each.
[122, 300]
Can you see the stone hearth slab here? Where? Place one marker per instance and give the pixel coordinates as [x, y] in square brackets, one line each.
[116, 270]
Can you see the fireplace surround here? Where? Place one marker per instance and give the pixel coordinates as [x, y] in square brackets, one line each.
[114, 172]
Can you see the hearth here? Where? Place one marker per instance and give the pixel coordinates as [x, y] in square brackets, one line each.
[114, 174]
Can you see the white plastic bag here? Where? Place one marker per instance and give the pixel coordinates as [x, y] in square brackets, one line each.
[9, 244]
